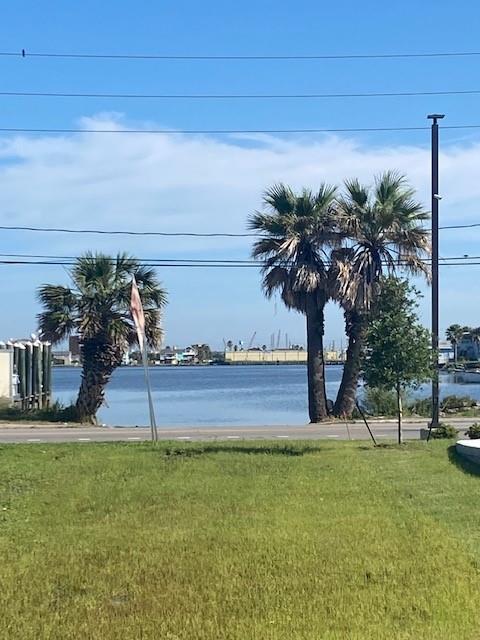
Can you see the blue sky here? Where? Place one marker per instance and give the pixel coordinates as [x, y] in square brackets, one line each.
[197, 183]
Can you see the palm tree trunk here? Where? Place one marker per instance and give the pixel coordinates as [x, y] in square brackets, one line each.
[317, 398]
[100, 359]
[355, 325]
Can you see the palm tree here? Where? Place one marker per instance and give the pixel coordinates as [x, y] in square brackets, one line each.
[384, 230]
[454, 333]
[295, 233]
[97, 308]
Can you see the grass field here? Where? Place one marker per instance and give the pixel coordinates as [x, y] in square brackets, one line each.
[252, 541]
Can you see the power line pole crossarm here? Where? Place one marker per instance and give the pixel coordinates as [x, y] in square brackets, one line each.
[435, 290]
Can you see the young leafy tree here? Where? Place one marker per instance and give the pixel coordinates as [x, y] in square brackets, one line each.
[384, 233]
[97, 307]
[295, 235]
[398, 355]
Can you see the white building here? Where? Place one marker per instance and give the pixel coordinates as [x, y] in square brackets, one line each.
[6, 373]
[446, 353]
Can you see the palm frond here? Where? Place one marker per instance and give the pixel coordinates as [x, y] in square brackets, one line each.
[93, 271]
[325, 196]
[99, 308]
[280, 199]
[265, 248]
[55, 325]
[356, 194]
[267, 223]
[296, 235]
[275, 279]
[388, 185]
[58, 320]
[384, 228]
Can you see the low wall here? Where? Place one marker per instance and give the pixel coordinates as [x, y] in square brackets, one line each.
[469, 449]
[6, 363]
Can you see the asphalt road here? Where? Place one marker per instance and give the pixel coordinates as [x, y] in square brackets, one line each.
[385, 430]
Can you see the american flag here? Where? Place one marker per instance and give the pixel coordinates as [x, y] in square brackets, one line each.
[137, 313]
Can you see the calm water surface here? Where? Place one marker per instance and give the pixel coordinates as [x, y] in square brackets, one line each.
[216, 395]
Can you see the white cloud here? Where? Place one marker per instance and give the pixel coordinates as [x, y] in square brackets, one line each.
[195, 183]
[185, 182]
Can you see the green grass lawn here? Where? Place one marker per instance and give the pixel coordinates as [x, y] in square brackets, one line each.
[248, 541]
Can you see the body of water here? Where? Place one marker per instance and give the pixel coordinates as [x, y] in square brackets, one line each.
[216, 395]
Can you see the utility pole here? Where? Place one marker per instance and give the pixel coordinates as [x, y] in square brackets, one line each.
[435, 201]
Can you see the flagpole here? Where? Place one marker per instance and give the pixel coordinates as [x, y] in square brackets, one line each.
[153, 424]
[139, 321]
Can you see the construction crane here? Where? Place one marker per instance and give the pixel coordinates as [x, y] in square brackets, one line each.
[251, 340]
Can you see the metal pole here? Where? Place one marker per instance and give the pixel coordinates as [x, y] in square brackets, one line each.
[365, 421]
[435, 328]
[153, 424]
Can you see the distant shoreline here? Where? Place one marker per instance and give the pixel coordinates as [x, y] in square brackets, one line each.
[206, 364]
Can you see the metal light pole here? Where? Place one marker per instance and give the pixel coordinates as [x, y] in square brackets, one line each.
[435, 200]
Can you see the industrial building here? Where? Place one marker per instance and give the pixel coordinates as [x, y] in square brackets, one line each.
[278, 356]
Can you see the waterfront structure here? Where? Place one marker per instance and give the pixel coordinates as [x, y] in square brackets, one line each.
[258, 356]
[6, 372]
[25, 372]
[279, 356]
[63, 358]
[468, 347]
[187, 356]
[176, 356]
[170, 356]
[446, 354]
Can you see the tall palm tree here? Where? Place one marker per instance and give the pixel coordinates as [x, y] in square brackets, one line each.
[384, 230]
[97, 308]
[296, 231]
[453, 334]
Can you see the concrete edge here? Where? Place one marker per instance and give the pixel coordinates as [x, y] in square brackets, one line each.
[469, 449]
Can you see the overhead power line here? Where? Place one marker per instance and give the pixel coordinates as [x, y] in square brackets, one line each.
[187, 234]
[24, 53]
[236, 96]
[195, 260]
[70, 263]
[130, 233]
[462, 226]
[179, 260]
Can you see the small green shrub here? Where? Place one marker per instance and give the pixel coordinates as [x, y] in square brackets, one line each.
[473, 432]
[56, 412]
[449, 404]
[420, 407]
[380, 402]
[443, 432]
[453, 402]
